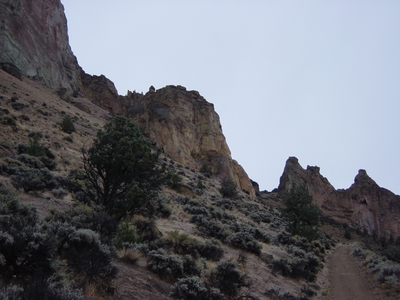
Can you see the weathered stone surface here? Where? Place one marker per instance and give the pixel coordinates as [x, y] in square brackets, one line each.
[99, 89]
[363, 206]
[33, 37]
[181, 122]
[187, 128]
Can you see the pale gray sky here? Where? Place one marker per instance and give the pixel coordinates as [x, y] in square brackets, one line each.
[319, 80]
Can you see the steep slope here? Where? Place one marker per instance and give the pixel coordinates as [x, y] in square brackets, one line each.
[364, 205]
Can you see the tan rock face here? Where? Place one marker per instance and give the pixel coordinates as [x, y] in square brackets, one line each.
[363, 206]
[186, 127]
[33, 37]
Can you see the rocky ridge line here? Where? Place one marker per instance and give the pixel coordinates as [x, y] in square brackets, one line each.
[364, 206]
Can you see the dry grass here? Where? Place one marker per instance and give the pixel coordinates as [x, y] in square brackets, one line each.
[129, 255]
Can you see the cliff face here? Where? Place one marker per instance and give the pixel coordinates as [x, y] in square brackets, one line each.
[34, 38]
[182, 122]
[187, 128]
[363, 206]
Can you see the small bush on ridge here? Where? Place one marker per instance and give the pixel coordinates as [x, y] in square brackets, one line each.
[193, 288]
[67, 125]
[167, 266]
[228, 278]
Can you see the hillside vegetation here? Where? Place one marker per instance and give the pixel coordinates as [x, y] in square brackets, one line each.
[90, 209]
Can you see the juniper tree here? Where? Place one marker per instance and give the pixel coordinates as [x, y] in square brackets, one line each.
[228, 188]
[301, 214]
[120, 168]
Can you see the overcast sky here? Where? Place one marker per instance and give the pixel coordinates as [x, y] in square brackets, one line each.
[319, 80]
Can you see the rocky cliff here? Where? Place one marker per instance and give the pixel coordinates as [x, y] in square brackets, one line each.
[182, 122]
[34, 38]
[187, 128]
[364, 205]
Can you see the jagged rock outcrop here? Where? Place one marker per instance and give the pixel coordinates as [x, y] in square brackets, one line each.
[34, 41]
[363, 206]
[181, 122]
[186, 127]
[99, 89]
[34, 38]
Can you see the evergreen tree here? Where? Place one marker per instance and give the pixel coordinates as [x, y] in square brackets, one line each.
[301, 214]
[228, 188]
[120, 167]
[67, 125]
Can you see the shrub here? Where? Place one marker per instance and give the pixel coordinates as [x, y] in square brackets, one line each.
[49, 163]
[41, 288]
[193, 288]
[34, 148]
[212, 249]
[11, 292]
[219, 214]
[156, 206]
[251, 231]
[347, 234]
[67, 125]
[24, 247]
[169, 266]
[206, 170]
[246, 242]
[147, 229]
[359, 253]
[224, 203]
[18, 106]
[281, 265]
[200, 185]
[195, 210]
[85, 217]
[33, 179]
[174, 181]
[228, 188]
[305, 267]
[307, 291]
[30, 161]
[183, 243]
[276, 293]
[228, 278]
[9, 121]
[126, 233]
[130, 255]
[260, 217]
[389, 273]
[59, 192]
[190, 266]
[211, 228]
[85, 254]
[392, 253]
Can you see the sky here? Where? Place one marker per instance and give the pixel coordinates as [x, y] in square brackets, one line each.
[319, 80]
